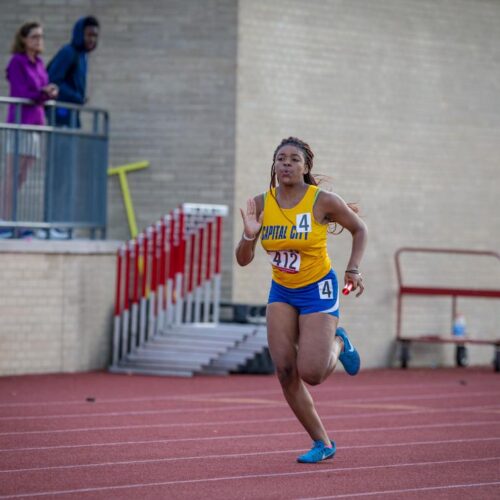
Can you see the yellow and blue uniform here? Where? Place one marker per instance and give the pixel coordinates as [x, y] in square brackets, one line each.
[296, 245]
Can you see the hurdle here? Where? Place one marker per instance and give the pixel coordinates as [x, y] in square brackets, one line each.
[169, 275]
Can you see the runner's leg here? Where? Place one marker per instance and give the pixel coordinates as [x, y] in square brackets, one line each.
[283, 339]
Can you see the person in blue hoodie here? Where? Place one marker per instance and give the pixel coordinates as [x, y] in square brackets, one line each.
[68, 68]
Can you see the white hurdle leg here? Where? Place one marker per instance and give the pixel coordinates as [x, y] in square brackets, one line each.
[189, 308]
[169, 317]
[151, 315]
[142, 322]
[161, 312]
[125, 326]
[217, 285]
[116, 341]
[197, 304]
[133, 328]
[206, 301]
[179, 302]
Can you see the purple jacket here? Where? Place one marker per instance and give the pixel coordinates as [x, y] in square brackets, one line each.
[26, 79]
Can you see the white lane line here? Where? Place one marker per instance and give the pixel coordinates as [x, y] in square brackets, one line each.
[327, 388]
[208, 423]
[407, 490]
[212, 423]
[245, 455]
[330, 470]
[206, 409]
[418, 397]
[252, 436]
[340, 416]
[270, 404]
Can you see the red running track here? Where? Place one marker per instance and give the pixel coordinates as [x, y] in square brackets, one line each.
[400, 434]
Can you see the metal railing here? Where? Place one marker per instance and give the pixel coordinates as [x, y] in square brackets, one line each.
[54, 177]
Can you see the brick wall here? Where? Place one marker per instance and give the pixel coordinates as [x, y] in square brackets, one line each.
[166, 71]
[398, 98]
[399, 101]
[56, 306]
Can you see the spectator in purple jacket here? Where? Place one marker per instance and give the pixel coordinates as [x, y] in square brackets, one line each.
[27, 79]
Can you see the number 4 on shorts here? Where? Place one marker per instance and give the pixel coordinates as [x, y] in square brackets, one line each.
[325, 289]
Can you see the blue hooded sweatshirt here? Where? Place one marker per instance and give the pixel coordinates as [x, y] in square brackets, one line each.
[68, 70]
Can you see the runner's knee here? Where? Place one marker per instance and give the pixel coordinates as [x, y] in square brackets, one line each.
[312, 376]
[287, 374]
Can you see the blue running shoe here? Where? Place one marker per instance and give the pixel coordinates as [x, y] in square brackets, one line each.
[317, 453]
[349, 357]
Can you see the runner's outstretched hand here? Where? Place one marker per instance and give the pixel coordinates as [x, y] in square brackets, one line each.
[251, 223]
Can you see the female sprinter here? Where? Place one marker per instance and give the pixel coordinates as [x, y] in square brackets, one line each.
[292, 219]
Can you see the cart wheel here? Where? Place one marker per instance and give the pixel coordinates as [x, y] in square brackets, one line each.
[405, 353]
[461, 356]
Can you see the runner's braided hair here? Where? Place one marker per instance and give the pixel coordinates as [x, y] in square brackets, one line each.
[308, 177]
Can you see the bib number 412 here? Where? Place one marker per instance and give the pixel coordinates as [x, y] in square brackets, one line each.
[286, 260]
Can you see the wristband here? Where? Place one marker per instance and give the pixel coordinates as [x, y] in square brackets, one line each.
[246, 238]
[352, 271]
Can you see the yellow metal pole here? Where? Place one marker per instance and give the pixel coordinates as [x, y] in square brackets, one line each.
[122, 171]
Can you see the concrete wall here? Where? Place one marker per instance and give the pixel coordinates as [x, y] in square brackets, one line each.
[56, 306]
[399, 100]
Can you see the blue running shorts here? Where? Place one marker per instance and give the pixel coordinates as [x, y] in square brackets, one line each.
[321, 296]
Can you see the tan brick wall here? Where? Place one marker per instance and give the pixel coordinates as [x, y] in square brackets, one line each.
[56, 306]
[166, 71]
[397, 99]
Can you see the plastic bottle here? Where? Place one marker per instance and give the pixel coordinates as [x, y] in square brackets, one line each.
[459, 331]
[459, 325]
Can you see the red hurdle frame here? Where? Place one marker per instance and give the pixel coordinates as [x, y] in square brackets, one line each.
[156, 284]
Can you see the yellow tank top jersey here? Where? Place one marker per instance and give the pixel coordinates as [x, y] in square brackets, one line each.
[296, 247]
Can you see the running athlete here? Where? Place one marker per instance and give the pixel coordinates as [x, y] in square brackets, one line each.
[292, 219]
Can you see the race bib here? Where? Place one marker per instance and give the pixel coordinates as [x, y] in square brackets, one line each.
[287, 261]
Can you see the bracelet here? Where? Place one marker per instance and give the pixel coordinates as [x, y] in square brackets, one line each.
[246, 238]
[353, 271]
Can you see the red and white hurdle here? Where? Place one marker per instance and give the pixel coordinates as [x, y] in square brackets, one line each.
[169, 275]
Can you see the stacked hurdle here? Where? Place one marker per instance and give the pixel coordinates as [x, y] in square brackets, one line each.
[169, 275]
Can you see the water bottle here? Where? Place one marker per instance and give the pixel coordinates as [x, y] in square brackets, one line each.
[459, 325]
[459, 330]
